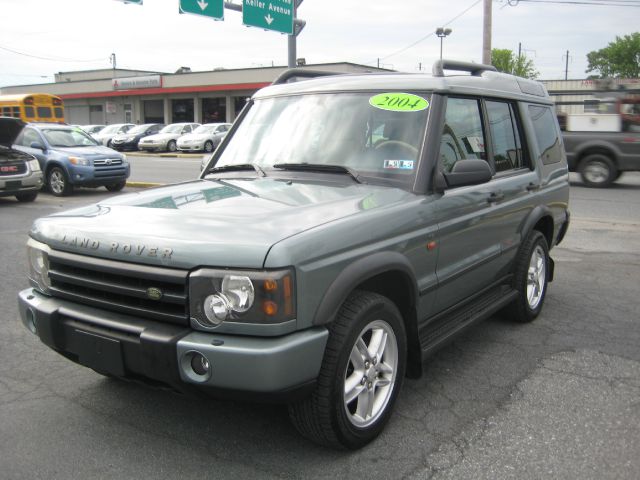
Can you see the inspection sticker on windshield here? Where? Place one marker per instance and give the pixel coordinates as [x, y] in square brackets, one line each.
[399, 102]
[398, 164]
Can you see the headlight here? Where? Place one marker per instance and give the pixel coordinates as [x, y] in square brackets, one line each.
[39, 265]
[80, 161]
[34, 165]
[264, 297]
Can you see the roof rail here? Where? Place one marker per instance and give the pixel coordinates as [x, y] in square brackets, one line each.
[474, 69]
[287, 75]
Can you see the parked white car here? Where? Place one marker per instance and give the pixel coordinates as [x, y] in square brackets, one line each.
[167, 138]
[105, 135]
[205, 138]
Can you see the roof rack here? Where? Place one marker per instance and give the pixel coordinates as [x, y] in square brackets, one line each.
[287, 75]
[475, 69]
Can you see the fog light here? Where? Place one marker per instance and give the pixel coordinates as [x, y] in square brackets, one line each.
[200, 364]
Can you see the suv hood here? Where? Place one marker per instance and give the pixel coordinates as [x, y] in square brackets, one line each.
[92, 153]
[223, 223]
[9, 130]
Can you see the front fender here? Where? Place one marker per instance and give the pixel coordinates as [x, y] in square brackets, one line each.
[359, 272]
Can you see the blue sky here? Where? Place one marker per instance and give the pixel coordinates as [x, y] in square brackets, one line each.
[70, 35]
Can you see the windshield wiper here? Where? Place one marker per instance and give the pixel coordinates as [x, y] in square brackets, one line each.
[238, 168]
[319, 167]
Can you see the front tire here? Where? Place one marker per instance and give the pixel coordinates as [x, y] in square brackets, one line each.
[27, 197]
[116, 187]
[171, 146]
[208, 146]
[360, 377]
[531, 278]
[58, 182]
[597, 170]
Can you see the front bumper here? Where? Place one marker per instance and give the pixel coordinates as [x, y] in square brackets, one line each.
[140, 349]
[192, 147]
[152, 146]
[31, 182]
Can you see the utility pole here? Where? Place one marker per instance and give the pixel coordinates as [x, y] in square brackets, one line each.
[566, 67]
[293, 37]
[486, 33]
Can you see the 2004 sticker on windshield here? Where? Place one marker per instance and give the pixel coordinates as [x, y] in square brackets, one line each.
[399, 102]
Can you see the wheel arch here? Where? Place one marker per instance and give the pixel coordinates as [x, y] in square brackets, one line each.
[389, 274]
[55, 163]
[540, 219]
[597, 149]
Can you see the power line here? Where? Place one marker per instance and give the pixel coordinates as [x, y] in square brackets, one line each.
[426, 36]
[58, 59]
[605, 3]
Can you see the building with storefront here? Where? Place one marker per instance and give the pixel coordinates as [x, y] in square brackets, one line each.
[136, 96]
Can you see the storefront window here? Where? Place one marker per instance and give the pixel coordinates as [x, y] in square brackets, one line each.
[214, 110]
[182, 110]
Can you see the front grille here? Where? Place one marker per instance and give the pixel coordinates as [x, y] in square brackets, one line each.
[107, 162]
[12, 168]
[120, 286]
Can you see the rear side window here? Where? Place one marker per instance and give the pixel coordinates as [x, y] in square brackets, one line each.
[505, 137]
[546, 132]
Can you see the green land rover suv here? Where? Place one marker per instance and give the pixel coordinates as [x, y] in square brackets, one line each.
[347, 227]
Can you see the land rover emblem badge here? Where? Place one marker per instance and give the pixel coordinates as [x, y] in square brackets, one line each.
[154, 293]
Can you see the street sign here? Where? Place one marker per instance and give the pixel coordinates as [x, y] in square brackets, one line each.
[209, 8]
[276, 15]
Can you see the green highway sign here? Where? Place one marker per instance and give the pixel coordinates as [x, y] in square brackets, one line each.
[276, 15]
[208, 8]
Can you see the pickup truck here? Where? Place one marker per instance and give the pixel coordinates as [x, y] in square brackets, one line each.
[601, 156]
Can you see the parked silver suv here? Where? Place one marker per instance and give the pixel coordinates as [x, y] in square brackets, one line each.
[346, 228]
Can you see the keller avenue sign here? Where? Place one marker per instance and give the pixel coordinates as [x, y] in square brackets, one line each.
[276, 15]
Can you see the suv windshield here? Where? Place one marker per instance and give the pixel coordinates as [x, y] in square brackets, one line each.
[346, 129]
[58, 137]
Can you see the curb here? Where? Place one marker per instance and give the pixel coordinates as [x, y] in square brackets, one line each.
[167, 155]
[143, 184]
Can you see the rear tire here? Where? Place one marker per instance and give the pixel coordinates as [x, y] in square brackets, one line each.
[27, 197]
[58, 182]
[360, 377]
[597, 170]
[530, 278]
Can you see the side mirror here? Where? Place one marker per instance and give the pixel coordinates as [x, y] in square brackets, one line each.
[468, 172]
[37, 146]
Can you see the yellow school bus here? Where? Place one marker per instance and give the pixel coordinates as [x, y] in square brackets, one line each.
[33, 107]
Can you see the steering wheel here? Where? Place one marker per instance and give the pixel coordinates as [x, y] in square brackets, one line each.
[397, 143]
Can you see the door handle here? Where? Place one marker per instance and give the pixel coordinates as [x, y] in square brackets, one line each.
[533, 186]
[495, 197]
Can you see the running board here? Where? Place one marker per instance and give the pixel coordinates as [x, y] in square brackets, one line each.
[446, 325]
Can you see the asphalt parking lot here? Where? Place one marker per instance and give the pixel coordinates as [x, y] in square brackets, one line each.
[558, 398]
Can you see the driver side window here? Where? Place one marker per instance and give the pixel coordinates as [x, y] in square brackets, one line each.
[462, 136]
[27, 137]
